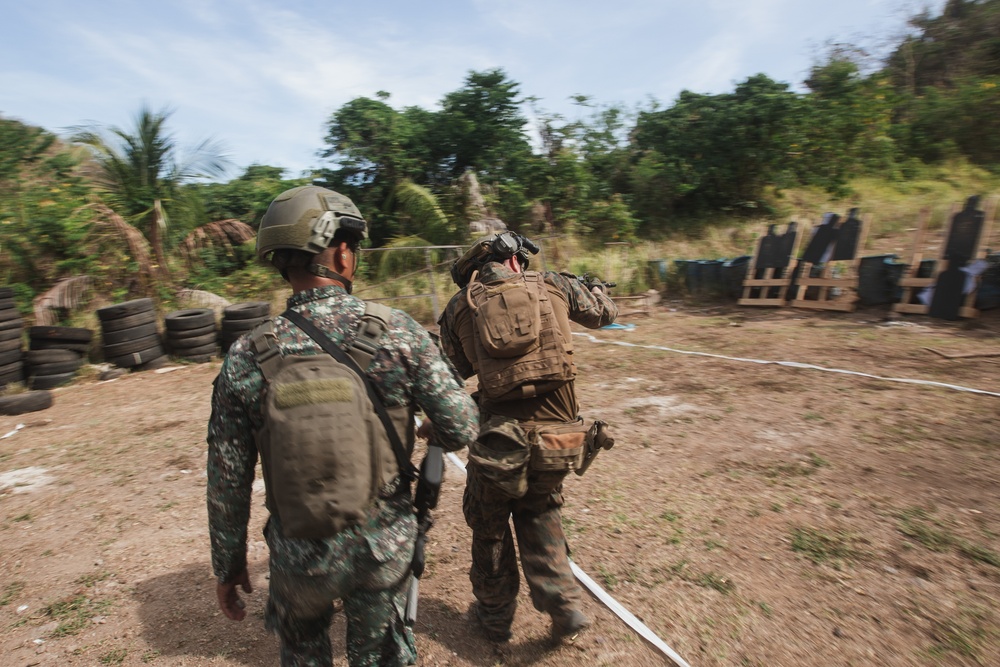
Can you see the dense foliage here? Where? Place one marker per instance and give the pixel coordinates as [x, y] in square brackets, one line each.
[489, 151]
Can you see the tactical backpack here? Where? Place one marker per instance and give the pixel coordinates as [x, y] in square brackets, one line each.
[327, 443]
[522, 346]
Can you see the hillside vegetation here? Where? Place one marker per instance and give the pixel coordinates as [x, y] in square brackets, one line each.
[698, 178]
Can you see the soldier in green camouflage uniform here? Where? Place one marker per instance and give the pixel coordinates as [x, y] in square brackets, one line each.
[367, 565]
[536, 516]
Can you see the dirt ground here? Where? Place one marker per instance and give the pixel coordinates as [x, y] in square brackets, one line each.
[749, 514]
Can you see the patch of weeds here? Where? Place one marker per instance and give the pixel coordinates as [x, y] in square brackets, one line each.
[820, 547]
[89, 580]
[150, 656]
[814, 417]
[47, 553]
[712, 545]
[670, 516]
[73, 614]
[679, 567]
[777, 507]
[963, 634]
[166, 506]
[113, 657]
[766, 608]
[609, 578]
[10, 593]
[916, 524]
[834, 505]
[817, 461]
[982, 554]
[22, 517]
[712, 580]
[753, 513]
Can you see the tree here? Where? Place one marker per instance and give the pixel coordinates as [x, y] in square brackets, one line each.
[142, 171]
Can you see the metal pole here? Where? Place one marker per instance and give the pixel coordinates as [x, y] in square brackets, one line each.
[430, 278]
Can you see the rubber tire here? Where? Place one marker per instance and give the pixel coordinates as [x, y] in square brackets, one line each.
[13, 323]
[120, 310]
[71, 334]
[130, 346]
[246, 311]
[193, 318]
[8, 314]
[30, 401]
[10, 345]
[137, 358]
[191, 333]
[128, 321]
[196, 351]
[198, 358]
[11, 356]
[132, 333]
[153, 364]
[55, 368]
[50, 381]
[198, 341]
[7, 302]
[9, 374]
[6, 292]
[11, 334]
[36, 357]
[242, 326]
[45, 344]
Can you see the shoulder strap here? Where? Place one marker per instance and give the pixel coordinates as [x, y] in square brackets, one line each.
[406, 468]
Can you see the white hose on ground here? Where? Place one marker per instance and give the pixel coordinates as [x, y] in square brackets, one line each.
[608, 601]
[790, 364]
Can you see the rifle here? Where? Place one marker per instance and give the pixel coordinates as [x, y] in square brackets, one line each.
[425, 499]
[591, 281]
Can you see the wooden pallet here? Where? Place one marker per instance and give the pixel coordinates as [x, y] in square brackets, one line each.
[775, 269]
[838, 274]
[912, 284]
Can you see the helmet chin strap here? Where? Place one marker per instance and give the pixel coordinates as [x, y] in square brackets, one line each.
[327, 272]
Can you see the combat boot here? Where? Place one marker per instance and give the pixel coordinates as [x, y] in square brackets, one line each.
[495, 629]
[569, 626]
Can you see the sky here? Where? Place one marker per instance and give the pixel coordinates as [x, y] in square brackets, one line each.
[262, 77]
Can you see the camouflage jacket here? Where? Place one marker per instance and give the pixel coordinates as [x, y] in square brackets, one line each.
[584, 307]
[408, 369]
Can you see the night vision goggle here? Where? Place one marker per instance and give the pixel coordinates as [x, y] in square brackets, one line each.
[496, 248]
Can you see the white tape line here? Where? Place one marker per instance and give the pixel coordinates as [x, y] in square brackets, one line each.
[791, 364]
[608, 601]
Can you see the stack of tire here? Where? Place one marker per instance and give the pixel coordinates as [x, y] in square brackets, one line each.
[55, 354]
[129, 335]
[240, 318]
[191, 334]
[11, 348]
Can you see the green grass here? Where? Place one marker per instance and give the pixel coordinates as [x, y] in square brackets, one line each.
[820, 547]
[10, 593]
[73, 614]
[113, 657]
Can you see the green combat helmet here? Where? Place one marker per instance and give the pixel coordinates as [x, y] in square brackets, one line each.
[305, 219]
[495, 247]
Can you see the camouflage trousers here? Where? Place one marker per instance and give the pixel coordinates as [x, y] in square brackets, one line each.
[372, 583]
[540, 540]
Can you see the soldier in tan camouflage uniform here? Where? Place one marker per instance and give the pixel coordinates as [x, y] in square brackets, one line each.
[366, 565]
[510, 424]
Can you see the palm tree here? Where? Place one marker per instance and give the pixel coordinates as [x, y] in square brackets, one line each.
[143, 169]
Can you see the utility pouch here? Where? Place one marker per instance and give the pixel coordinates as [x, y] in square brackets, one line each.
[501, 454]
[558, 447]
[507, 315]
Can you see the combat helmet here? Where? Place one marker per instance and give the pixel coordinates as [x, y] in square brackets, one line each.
[305, 218]
[492, 248]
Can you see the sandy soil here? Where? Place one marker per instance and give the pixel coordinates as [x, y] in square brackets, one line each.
[749, 514]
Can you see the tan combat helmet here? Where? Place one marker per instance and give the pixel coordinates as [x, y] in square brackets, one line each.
[306, 218]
